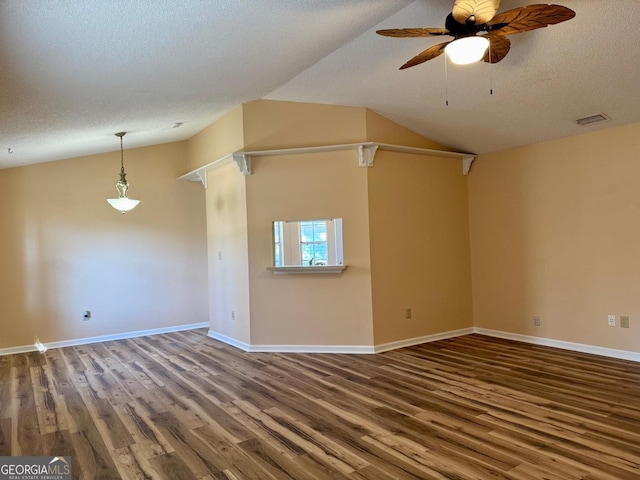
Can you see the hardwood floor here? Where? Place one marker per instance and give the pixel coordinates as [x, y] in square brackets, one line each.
[183, 406]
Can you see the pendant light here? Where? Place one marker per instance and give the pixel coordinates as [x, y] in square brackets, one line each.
[122, 203]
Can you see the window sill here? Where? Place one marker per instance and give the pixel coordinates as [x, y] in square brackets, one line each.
[297, 269]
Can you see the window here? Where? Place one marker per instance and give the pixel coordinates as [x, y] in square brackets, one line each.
[278, 254]
[307, 243]
[313, 242]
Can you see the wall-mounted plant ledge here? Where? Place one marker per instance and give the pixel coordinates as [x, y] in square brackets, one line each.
[366, 153]
[306, 269]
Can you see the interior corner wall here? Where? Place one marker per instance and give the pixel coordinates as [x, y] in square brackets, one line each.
[227, 236]
[64, 249]
[217, 140]
[382, 130]
[419, 232]
[555, 231]
[272, 124]
[329, 309]
[309, 309]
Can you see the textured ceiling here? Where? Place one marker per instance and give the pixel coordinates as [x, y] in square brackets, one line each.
[72, 73]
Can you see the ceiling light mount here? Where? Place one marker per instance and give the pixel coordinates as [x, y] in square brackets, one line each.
[122, 203]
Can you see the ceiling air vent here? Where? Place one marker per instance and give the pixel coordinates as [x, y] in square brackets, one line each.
[599, 117]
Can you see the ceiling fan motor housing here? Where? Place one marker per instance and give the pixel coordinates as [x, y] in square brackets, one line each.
[462, 30]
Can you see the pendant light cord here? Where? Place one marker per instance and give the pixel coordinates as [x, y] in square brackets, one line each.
[121, 155]
[122, 174]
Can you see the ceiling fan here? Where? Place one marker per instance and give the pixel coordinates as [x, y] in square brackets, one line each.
[478, 32]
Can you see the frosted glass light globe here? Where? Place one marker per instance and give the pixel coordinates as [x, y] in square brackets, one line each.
[467, 50]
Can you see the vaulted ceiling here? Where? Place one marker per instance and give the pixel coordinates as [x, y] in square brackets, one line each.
[72, 73]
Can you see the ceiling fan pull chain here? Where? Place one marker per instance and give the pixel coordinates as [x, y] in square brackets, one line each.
[446, 83]
[490, 70]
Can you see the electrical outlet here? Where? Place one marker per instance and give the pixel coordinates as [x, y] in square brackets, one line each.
[536, 321]
[407, 313]
[611, 320]
[624, 321]
[86, 315]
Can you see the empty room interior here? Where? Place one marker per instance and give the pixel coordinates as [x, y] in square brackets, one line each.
[281, 240]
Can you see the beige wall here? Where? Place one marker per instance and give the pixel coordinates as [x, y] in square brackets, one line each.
[270, 124]
[419, 246]
[64, 250]
[215, 141]
[335, 309]
[548, 230]
[229, 312]
[382, 130]
[555, 229]
[322, 309]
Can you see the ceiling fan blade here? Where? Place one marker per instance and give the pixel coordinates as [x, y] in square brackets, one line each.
[413, 32]
[428, 54]
[530, 17]
[500, 46]
[482, 11]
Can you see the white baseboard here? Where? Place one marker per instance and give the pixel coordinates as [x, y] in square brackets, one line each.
[229, 341]
[384, 347]
[409, 342]
[104, 338]
[351, 349]
[357, 349]
[548, 342]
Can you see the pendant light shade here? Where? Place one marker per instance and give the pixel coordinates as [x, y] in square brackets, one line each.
[122, 203]
[467, 50]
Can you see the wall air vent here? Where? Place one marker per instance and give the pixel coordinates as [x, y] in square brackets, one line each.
[599, 117]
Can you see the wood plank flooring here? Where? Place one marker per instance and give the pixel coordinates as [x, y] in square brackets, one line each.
[183, 406]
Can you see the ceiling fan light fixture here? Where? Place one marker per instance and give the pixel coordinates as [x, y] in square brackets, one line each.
[466, 50]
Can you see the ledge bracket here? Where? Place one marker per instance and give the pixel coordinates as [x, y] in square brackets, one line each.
[467, 161]
[244, 162]
[202, 175]
[366, 154]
